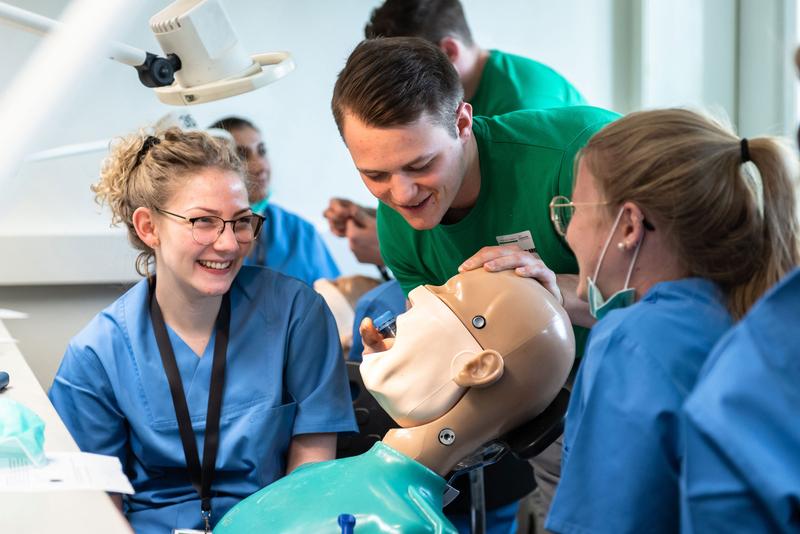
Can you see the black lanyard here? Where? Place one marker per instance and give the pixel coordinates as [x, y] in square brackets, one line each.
[201, 478]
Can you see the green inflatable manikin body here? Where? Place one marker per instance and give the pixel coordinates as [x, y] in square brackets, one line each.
[386, 491]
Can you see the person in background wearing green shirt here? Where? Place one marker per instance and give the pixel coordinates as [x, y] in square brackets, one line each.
[449, 183]
[494, 83]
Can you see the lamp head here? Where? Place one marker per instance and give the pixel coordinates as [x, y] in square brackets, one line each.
[210, 62]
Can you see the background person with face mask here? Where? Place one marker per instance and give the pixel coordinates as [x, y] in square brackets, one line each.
[678, 227]
[287, 243]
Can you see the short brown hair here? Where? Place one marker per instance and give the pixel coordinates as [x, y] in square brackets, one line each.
[394, 81]
[432, 20]
[730, 222]
[145, 170]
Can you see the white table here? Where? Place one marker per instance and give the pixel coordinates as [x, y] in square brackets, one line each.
[58, 511]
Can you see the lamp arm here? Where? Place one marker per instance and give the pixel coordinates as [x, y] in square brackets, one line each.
[120, 52]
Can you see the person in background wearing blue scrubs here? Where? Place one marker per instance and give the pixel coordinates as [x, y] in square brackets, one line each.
[207, 379]
[288, 243]
[741, 471]
[679, 227]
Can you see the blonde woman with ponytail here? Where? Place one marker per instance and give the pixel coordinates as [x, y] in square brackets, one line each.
[679, 226]
[208, 380]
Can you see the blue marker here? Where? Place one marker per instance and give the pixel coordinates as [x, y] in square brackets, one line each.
[3, 380]
[347, 522]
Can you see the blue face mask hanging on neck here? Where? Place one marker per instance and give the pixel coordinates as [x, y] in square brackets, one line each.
[260, 206]
[599, 306]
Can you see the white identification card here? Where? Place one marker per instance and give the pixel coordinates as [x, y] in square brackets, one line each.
[188, 531]
[523, 239]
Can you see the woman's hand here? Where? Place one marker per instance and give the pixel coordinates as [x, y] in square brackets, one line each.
[512, 257]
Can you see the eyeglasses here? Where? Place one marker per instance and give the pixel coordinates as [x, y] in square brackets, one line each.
[562, 209]
[206, 229]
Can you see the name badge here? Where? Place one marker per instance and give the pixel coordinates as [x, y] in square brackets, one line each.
[187, 531]
[523, 239]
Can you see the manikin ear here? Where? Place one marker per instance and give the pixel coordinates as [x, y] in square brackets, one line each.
[631, 225]
[483, 369]
[145, 227]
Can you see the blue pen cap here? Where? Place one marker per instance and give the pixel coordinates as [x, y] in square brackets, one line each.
[385, 323]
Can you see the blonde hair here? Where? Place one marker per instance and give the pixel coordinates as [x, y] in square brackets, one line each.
[731, 222]
[144, 171]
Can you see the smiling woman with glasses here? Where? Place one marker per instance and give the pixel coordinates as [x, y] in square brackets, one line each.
[204, 357]
[678, 226]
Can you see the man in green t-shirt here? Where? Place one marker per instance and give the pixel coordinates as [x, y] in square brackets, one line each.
[449, 184]
[494, 83]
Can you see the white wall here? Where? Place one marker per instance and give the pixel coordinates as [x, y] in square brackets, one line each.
[52, 234]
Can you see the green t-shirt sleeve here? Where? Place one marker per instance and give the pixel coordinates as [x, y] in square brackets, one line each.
[396, 256]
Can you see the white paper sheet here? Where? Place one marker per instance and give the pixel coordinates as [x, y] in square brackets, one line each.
[5, 313]
[65, 471]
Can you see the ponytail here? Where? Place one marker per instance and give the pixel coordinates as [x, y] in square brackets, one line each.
[774, 171]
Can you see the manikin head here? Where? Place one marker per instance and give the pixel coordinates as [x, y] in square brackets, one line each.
[472, 360]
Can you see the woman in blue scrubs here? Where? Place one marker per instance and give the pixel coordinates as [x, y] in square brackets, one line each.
[676, 236]
[741, 471]
[208, 380]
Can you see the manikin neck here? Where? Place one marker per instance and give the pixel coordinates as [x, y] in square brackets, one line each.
[422, 444]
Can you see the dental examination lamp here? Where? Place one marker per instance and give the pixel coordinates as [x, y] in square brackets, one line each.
[203, 58]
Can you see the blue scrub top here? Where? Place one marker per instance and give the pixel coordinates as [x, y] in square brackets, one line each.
[291, 245]
[388, 296]
[284, 376]
[621, 457]
[742, 467]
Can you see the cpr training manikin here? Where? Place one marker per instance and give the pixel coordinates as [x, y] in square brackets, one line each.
[472, 360]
